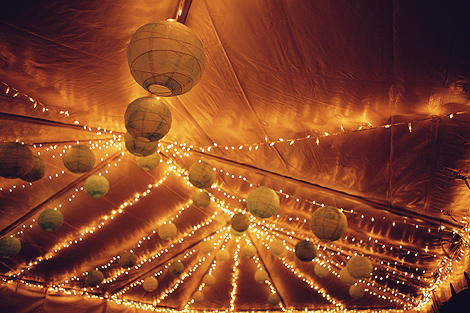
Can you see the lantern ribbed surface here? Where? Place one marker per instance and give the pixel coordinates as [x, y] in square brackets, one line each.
[150, 283]
[148, 163]
[345, 277]
[249, 251]
[166, 58]
[176, 268]
[320, 270]
[50, 219]
[240, 222]
[356, 291]
[94, 278]
[261, 276]
[209, 280]
[9, 247]
[96, 186]
[167, 231]
[201, 199]
[37, 172]
[138, 147]
[16, 159]
[127, 259]
[147, 119]
[79, 159]
[305, 250]
[277, 247]
[198, 297]
[359, 267]
[328, 223]
[262, 202]
[202, 175]
[222, 255]
[273, 298]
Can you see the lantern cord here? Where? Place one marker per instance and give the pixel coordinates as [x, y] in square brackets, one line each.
[457, 175]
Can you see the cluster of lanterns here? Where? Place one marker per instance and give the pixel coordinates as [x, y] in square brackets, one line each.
[17, 161]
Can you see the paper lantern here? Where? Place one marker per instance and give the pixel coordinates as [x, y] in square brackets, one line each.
[147, 119]
[150, 283]
[236, 233]
[176, 268]
[79, 159]
[222, 255]
[202, 175]
[277, 247]
[240, 222]
[356, 291]
[321, 270]
[94, 278]
[248, 251]
[96, 186]
[262, 202]
[37, 172]
[273, 298]
[345, 277]
[16, 159]
[149, 162]
[9, 247]
[206, 246]
[138, 147]
[328, 223]
[50, 219]
[209, 280]
[359, 267]
[127, 259]
[261, 276]
[201, 199]
[198, 297]
[305, 250]
[166, 58]
[167, 231]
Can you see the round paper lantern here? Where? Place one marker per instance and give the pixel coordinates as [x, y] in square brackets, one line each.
[167, 231]
[209, 280]
[277, 247]
[79, 159]
[356, 291]
[127, 259]
[50, 219]
[147, 119]
[96, 186]
[236, 233]
[176, 268]
[248, 251]
[37, 172]
[328, 223]
[206, 246]
[345, 277]
[150, 283]
[9, 247]
[201, 199]
[240, 222]
[222, 255]
[16, 159]
[166, 58]
[94, 278]
[261, 276]
[149, 162]
[202, 175]
[359, 267]
[273, 298]
[262, 202]
[198, 297]
[321, 270]
[305, 250]
[138, 147]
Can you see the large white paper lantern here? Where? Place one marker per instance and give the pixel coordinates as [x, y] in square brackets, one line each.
[356, 291]
[305, 250]
[262, 202]
[140, 148]
[201, 199]
[359, 267]
[167, 231]
[79, 159]
[50, 219]
[16, 159]
[96, 186]
[328, 223]
[148, 163]
[94, 278]
[150, 283]
[202, 174]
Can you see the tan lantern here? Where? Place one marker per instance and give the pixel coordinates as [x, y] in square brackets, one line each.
[50, 219]
[94, 278]
[359, 267]
[198, 297]
[222, 255]
[277, 247]
[262, 202]
[273, 298]
[150, 283]
[345, 277]
[140, 148]
[240, 222]
[149, 162]
[202, 174]
[127, 259]
[261, 276]
[305, 250]
[248, 251]
[79, 159]
[16, 159]
[37, 172]
[167, 231]
[328, 223]
[321, 270]
[176, 268]
[209, 280]
[356, 291]
[201, 199]
[96, 186]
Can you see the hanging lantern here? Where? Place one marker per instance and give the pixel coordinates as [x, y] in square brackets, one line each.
[36, 173]
[198, 297]
[138, 147]
[202, 175]
[277, 247]
[359, 267]
[9, 247]
[96, 186]
[321, 270]
[206, 246]
[149, 162]
[50, 219]
[273, 298]
[201, 199]
[16, 160]
[328, 223]
[262, 202]
[167, 231]
[150, 283]
[261, 276]
[94, 278]
[305, 250]
[356, 291]
[248, 251]
[127, 259]
[176, 268]
[222, 255]
[236, 233]
[240, 222]
[166, 58]
[345, 277]
[209, 280]
[79, 159]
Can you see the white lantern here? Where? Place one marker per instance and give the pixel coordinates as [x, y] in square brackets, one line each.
[167, 231]
[356, 291]
[359, 267]
[261, 276]
[150, 283]
[222, 255]
[262, 202]
[248, 251]
[321, 270]
[209, 280]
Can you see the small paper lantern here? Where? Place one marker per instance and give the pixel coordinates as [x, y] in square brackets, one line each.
[209, 280]
[305, 250]
[236, 233]
[328, 223]
[248, 251]
[345, 277]
[356, 291]
[240, 222]
[79, 159]
[273, 298]
[222, 255]
[166, 58]
[96, 186]
[198, 297]
[321, 270]
[176, 268]
[50, 219]
[9, 247]
[206, 246]
[147, 119]
[167, 231]
[277, 247]
[127, 259]
[138, 147]
[94, 278]
[201, 199]
[262, 202]
[16, 159]
[359, 267]
[202, 175]
[37, 172]
[261, 276]
[149, 162]
[150, 283]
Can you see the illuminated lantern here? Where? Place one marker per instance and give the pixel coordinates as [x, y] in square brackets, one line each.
[147, 119]
[16, 159]
[198, 297]
[94, 278]
[356, 291]
[166, 58]
[9, 247]
[209, 280]
[262, 202]
[240, 222]
[261, 276]
[206, 246]
[359, 267]
[277, 247]
[127, 259]
[321, 270]
[345, 277]
[201, 199]
[138, 147]
[305, 250]
[96, 186]
[79, 159]
[167, 231]
[50, 219]
[235, 233]
[37, 172]
[248, 251]
[273, 298]
[222, 255]
[328, 223]
[150, 283]
[202, 175]
[148, 163]
[176, 268]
